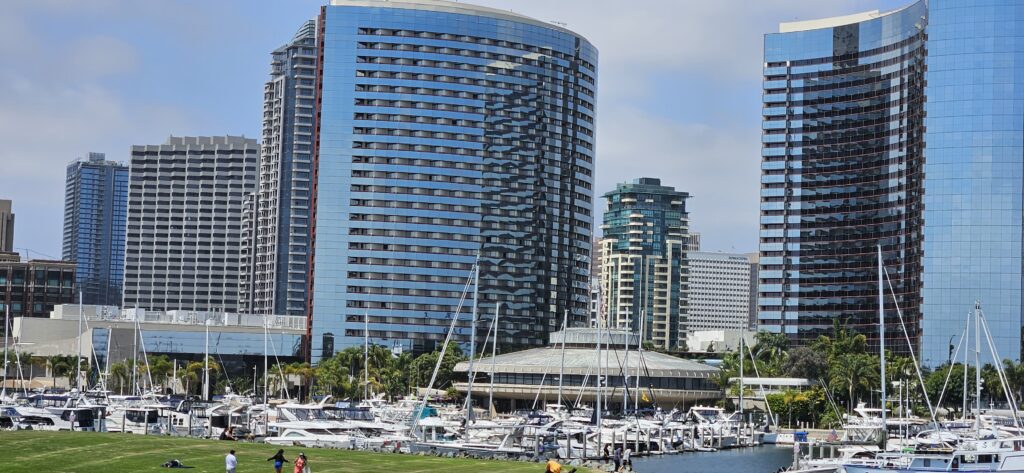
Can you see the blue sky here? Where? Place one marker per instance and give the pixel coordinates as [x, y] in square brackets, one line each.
[678, 95]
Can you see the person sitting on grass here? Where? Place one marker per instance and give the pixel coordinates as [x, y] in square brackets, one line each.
[553, 466]
[227, 435]
[279, 460]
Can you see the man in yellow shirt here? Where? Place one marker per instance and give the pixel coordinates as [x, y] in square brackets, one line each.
[555, 467]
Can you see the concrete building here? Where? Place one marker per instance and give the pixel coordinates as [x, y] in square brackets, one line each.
[112, 335]
[32, 288]
[185, 222]
[521, 377]
[448, 134]
[95, 214]
[718, 341]
[720, 290]
[280, 257]
[644, 265]
[6, 226]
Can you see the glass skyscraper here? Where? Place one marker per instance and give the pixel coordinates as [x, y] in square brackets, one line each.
[974, 167]
[446, 133]
[900, 129]
[95, 214]
[643, 261]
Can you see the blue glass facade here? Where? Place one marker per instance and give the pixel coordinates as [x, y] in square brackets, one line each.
[95, 215]
[940, 121]
[974, 163]
[448, 131]
[841, 174]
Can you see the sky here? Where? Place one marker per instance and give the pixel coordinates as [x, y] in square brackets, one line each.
[678, 91]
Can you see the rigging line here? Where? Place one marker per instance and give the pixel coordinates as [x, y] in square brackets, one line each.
[949, 371]
[280, 372]
[999, 369]
[444, 348]
[910, 346]
[767, 406]
[647, 371]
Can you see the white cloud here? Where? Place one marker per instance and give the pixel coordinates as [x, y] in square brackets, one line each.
[709, 150]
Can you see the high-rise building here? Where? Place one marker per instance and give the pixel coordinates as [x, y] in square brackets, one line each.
[185, 208]
[448, 133]
[6, 226]
[281, 252]
[853, 158]
[719, 291]
[644, 266]
[95, 214]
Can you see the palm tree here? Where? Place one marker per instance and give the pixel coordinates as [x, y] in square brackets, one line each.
[119, 375]
[856, 373]
[791, 397]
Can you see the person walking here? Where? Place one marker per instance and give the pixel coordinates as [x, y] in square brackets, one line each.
[617, 458]
[627, 463]
[230, 462]
[279, 460]
[300, 463]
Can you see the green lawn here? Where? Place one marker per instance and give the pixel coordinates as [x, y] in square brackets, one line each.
[83, 452]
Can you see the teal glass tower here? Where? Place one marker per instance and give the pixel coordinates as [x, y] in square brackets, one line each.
[643, 261]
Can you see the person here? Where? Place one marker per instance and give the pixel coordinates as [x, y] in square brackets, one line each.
[279, 460]
[625, 459]
[607, 453]
[300, 463]
[617, 458]
[230, 462]
[227, 435]
[553, 467]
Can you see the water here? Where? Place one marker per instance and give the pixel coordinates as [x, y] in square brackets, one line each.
[766, 459]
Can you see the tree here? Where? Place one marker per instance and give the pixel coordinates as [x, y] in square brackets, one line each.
[119, 376]
[856, 373]
[305, 374]
[807, 363]
[61, 365]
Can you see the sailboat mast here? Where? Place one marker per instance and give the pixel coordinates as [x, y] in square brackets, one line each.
[206, 362]
[561, 369]
[977, 364]
[472, 340]
[7, 329]
[78, 366]
[639, 359]
[741, 376]
[494, 353]
[881, 331]
[366, 354]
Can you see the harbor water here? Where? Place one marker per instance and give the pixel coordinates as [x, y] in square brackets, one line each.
[765, 459]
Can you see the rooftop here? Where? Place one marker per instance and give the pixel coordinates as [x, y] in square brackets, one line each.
[446, 6]
[584, 361]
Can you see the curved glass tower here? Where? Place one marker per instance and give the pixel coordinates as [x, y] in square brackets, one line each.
[906, 129]
[446, 133]
[841, 172]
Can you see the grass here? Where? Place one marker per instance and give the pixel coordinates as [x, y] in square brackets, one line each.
[84, 452]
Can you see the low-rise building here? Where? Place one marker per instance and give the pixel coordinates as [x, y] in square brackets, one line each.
[522, 376]
[112, 335]
[32, 288]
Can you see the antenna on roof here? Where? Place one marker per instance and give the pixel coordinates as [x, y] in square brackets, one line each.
[560, 23]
